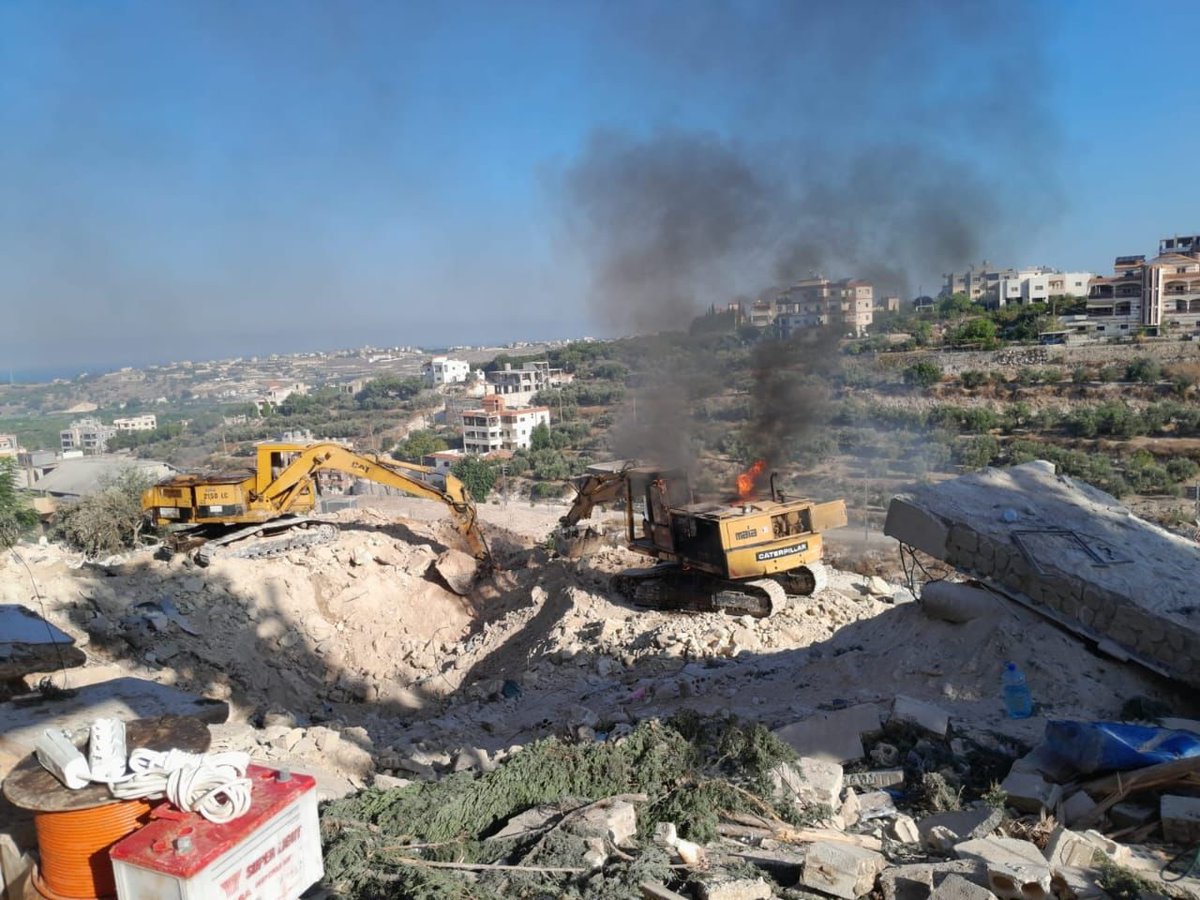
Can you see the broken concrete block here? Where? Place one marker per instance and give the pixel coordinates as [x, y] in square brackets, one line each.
[1076, 807]
[615, 820]
[835, 736]
[381, 782]
[876, 778]
[737, 889]
[1180, 819]
[955, 887]
[962, 825]
[932, 718]
[1118, 853]
[850, 808]
[1031, 793]
[808, 782]
[1016, 869]
[916, 527]
[904, 830]
[916, 881]
[1077, 884]
[1068, 848]
[876, 805]
[952, 601]
[842, 870]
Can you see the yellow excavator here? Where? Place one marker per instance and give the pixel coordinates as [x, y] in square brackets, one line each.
[741, 555]
[267, 512]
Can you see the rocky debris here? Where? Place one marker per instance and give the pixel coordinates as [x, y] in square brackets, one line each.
[1031, 793]
[942, 831]
[955, 887]
[736, 889]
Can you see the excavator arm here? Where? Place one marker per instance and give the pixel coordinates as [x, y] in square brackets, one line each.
[283, 489]
[594, 490]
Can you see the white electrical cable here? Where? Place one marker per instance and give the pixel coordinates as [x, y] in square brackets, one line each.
[214, 785]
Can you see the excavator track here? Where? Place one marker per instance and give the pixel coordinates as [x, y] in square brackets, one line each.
[266, 540]
[673, 588]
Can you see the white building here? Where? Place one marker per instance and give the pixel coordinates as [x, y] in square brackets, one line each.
[496, 427]
[443, 370]
[1039, 285]
[136, 423]
[518, 386]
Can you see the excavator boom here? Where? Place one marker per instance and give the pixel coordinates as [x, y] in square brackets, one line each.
[280, 493]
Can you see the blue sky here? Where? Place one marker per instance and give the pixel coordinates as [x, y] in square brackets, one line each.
[189, 180]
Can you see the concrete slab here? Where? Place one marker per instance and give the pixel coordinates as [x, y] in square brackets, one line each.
[1070, 551]
[834, 736]
[28, 643]
[121, 698]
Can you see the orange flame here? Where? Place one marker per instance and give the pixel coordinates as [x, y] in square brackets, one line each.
[745, 481]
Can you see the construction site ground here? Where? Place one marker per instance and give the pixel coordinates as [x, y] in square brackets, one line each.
[353, 660]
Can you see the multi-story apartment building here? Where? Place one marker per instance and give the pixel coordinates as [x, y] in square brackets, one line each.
[9, 446]
[497, 427]
[992, 286]
[443, 370]
[1114, 302]
[518, 386]
[147, 422]
[1160, 293]
[88, 435]
[847, 304]
[1039, 286]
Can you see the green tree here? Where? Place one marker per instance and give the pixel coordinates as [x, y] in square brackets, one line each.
[1143, 369]
[539, 438]
[388, 391]
[16, 515]
[981, 332]
[109, 520]
[477, 474]
[955, 305]
[419, 444]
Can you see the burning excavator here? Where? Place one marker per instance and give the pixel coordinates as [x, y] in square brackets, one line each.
[741, 555]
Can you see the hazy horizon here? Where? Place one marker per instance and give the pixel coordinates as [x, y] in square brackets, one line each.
[212, 180]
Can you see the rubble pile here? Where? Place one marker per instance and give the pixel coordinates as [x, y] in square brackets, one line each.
[853, 743]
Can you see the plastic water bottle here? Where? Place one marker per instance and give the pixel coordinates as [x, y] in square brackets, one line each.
[1017, 699]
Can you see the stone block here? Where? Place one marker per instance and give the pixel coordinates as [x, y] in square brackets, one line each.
[1077, 884]
[932, 718]
[952, 601]
[1129, 814]
[955, 887]
[808, 782]
[916, 527]
[1016, 869]
[904, 829]
[1031, 793]
[835, 736]
[737, 889]
[841, 870]
[876, 778]
[1180, 819]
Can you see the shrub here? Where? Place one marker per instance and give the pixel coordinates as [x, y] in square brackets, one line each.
[1143, 369]
[977, 452]
[478, 475]
[1080, 375]
[923, 374]
[974, 379]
